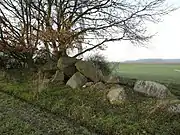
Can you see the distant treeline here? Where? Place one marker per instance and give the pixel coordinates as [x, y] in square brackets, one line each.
[153, 61]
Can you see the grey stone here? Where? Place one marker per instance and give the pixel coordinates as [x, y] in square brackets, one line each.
[174, 106]
[88, 84]
[77, 80]
[169, 105]
[89, 70]
[152, 89]
[64, 62]
[112, 79]
[98, 86]
[67, 65]
[117, 95]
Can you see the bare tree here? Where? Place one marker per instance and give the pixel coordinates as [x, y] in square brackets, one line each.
[17, 36]
[58, 25]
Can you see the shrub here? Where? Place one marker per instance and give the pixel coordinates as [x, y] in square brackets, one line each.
[100, 62]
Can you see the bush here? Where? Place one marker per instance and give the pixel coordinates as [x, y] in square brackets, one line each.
[100, 62]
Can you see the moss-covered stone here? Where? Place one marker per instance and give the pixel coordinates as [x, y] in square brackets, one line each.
[89, 70]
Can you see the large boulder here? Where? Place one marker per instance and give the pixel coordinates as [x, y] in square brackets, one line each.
[117, 95]
[77, 80]
[89, 70]
[67, 65]
[152, 89]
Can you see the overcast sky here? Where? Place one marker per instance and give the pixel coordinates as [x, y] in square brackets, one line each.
[166, 43]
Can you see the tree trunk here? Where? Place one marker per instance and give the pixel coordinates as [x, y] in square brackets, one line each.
[30, 62]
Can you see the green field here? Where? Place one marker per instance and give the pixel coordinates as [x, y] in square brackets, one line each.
[167, 73]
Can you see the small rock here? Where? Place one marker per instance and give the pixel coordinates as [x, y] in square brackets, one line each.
[170, 105]
[174, 108]
[112, 79]
[88, 84]
[117, 95]
[98, 86]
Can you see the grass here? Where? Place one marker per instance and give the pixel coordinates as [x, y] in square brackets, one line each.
[157, 72]
[90, 109]
[86, 111]
[21, 118]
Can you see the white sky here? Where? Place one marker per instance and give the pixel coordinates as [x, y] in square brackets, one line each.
[166, 44]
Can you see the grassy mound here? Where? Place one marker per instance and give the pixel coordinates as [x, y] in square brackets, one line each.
[90, 109]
